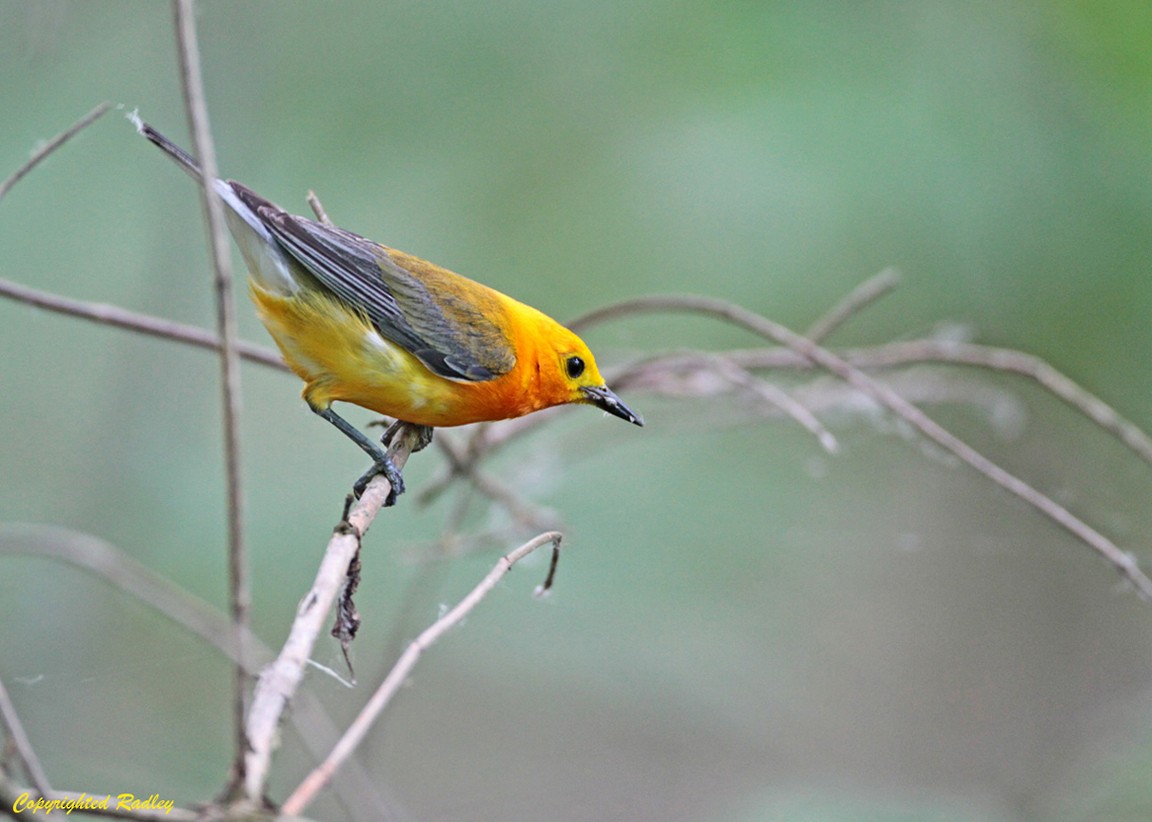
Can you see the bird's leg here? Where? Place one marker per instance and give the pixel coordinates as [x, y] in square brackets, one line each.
[381, 462]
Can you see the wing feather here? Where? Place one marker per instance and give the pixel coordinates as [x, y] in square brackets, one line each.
[452, 325]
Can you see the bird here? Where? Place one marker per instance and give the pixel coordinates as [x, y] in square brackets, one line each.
[363, 323]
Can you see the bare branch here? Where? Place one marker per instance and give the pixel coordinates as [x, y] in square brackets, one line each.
[892, 355]
[318, 208]
[105, 561]
[1027, 365]
[485, 438]
[797, 354]
[322, 775]
[461, 465]
[239, 595]
[778, 397]
[279, 682]
[857, 300]
[106, 314]
[23, 745]
[40, 154]
[699, 374]
[737, 315]
[108, 563]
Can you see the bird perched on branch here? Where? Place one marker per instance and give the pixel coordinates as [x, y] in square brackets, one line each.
[363, 323]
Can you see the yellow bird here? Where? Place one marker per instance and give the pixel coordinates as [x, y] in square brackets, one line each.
[363, 323]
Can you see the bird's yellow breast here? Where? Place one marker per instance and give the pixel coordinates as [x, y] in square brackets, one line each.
[341, 356]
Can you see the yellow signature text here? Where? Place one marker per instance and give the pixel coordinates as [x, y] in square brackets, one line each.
[26, 803]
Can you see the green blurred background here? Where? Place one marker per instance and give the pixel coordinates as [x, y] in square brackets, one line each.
[744, 628]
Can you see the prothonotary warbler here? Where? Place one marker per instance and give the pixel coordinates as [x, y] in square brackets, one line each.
[363, 323]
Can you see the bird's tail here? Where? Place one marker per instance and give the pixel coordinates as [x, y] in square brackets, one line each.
[267, 263]
[181, 157]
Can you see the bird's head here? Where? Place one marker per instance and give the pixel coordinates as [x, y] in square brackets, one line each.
[568, 374]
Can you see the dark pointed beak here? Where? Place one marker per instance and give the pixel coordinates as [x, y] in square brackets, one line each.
[603, 397]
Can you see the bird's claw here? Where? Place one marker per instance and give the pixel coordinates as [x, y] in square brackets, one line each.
[383, 463]
[423, 435]
[390, 472]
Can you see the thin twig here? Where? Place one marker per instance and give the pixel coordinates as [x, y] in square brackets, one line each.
[112, 565]
[1024, 364]
[306, 791]
[107, 562]
[1123, 562]
[778, 397]
[1006, 360]
[23, 745]
[279, 682]
[856, 301]
[40, 154]
[318, 208]
[485, 439]
[684, 375]
[106, 314]
[773, 395]
[523, 512]
[239, 595]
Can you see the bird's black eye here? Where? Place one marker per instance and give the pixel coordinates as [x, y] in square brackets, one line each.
[575, 367]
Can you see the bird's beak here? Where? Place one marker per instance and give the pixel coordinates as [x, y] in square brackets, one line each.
[603, 397]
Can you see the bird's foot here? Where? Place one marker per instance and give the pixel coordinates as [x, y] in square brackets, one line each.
[423, 435]
[390, 472]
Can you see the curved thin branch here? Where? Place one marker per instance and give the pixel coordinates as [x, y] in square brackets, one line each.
[460, 464]
[762, 326]
[278, 684]
[20, 741]
[40, 154]
[323, 773]
[110, 564]
[1024, 364]
[317, 207]
[112, 315]
[862, 296]
[1006, 360]
[107, 562]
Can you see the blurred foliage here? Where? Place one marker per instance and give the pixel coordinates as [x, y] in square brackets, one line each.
[744, 627]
